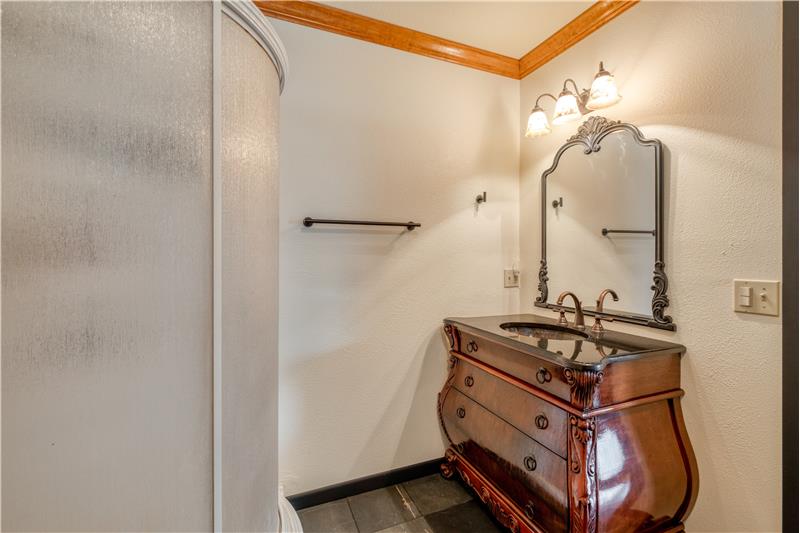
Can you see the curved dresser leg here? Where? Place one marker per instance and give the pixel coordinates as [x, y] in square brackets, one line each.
[447, 468]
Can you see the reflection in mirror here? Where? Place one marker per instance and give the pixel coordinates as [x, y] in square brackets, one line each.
[601, 222]
[611, 189]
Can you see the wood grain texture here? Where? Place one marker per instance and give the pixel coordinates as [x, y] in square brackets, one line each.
[564, 405]
[540, 420]
[505, 510]
[376, 31]
[583, 25]
[629, 464]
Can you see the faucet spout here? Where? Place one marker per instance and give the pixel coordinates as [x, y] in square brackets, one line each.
[598, 326]
[579, 322]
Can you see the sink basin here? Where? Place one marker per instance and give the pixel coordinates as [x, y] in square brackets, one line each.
[544, 331]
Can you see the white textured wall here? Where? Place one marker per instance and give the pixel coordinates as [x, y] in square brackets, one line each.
[705, 79]
[374, 133]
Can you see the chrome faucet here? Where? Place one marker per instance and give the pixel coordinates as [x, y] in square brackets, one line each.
[562, 319]
[598, 326]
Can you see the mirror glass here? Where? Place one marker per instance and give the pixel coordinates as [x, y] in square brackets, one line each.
[600, 219]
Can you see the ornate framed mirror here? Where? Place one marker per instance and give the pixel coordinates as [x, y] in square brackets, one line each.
[602, 223]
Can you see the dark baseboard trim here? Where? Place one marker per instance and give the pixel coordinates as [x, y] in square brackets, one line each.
[364, 484]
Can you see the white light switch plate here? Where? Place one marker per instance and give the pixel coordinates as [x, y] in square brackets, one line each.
[756, 297]
[510, 278]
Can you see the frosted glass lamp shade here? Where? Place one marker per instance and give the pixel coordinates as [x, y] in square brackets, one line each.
[537, 123]
[566, 109]
[604, 91]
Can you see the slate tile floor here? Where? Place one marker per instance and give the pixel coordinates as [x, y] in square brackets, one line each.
[430, 504]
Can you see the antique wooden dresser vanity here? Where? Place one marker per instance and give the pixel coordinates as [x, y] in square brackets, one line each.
[563, 430]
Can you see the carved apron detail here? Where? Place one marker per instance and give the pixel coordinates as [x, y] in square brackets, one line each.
[498, 510]
[453, 337]
[582, 475]
[582, 386]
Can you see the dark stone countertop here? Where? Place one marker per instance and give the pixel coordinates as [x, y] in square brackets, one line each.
[594, 352]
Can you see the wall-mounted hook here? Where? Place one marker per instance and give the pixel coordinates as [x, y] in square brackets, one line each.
[481, 198]
[559, 202]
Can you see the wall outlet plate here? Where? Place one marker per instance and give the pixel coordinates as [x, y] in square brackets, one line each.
[510, 278]
[756, 297]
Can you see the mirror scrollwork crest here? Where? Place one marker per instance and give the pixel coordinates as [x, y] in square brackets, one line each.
[603, 222]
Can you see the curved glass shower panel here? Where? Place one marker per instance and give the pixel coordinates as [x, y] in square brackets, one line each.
[106, 266]
[249, 94]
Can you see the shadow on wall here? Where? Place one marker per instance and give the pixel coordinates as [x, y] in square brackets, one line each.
[422, 383]
[407, 414]
[362, 359]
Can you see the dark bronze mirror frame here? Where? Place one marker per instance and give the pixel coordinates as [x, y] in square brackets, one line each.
[589, 136]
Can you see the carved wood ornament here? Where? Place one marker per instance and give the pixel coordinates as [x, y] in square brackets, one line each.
[582, 475]
[495, 507]
[505, 512]
[448, 466]
[582, 386]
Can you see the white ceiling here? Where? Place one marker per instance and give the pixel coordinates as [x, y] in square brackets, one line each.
[509, 28]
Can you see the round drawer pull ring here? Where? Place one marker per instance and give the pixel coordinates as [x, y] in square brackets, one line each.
[543, 376]
[529, 511]
[472, 346]
[541, 422]
[460, 412]
[530, 463]
[469, 381]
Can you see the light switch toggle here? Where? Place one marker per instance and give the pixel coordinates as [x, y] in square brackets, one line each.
[756, 297]
[746, 296]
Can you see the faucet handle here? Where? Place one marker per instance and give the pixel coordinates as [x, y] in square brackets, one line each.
[598, 325]
[562, 317]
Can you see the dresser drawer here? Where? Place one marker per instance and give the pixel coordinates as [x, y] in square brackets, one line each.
[533, 416]
[542, 374]
[529, 473]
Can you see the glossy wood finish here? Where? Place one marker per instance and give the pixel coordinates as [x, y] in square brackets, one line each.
[640, 487]
[596, 16]
[343, 22]
[638, 378]
[535, 475]
[531, 415]
[505, 510]
[544, 375]
[368, 29]
[629, 463]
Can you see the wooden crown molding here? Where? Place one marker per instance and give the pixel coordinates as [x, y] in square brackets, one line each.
[376, 31]
[596, 16]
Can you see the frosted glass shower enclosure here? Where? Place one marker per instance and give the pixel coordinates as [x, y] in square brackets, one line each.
[139, 266]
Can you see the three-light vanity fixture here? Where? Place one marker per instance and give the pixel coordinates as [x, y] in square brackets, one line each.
[573, 105]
